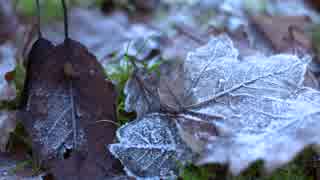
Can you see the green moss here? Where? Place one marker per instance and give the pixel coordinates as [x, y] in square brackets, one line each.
[120, 73]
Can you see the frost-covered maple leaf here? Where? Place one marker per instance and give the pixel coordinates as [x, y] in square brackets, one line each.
[266, 112]
[237, 111]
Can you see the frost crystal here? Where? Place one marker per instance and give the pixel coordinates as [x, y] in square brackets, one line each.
[150, 148]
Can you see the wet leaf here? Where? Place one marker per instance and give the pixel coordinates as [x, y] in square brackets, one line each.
[150, 148]
[64, 113]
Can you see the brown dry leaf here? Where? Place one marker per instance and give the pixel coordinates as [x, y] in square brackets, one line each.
[67, 96]
[285, 33]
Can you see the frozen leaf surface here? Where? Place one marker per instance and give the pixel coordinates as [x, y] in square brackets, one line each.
[265, 111]
[150, 148]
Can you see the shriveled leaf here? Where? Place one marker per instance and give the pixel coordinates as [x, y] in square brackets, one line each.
[141, 95]
[150, 148]
[265, 111]
[68, 97]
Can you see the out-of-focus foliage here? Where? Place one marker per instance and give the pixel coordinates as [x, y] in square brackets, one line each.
[51, 8]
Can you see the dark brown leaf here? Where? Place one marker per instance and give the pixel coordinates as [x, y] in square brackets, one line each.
[63, 113]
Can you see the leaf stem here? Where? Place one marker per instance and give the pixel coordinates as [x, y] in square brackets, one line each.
[39, 19]
[65, 19]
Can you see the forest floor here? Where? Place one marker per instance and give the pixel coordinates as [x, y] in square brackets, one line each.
[160, 89]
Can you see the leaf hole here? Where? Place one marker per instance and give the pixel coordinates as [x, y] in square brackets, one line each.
[67, 154]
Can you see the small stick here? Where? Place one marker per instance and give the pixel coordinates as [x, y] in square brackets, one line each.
[39, 19]
[65, 18]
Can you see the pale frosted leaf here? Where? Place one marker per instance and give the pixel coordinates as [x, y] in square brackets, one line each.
[263, 106]
[150, 148]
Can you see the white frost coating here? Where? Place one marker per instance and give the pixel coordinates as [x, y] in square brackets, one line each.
[266, 111]
[54, 130]
[149, 148]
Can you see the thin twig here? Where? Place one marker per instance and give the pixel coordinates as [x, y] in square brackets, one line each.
[39, 19]
[65, 18]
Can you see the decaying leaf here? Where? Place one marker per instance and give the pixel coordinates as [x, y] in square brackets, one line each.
[235, 111]
[54, 103]
[141, 93]
[150, 148]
